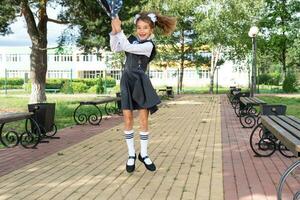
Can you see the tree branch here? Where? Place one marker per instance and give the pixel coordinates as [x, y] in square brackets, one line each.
[29, 18]
[58, 21]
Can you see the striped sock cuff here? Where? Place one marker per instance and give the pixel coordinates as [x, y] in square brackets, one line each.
[129, 134]
[144, 136]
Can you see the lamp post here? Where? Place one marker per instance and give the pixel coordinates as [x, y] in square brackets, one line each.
[253, 33]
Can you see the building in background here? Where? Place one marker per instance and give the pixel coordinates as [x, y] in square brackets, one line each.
[71, 63]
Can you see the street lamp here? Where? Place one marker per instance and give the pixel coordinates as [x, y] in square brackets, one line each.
[253, 33]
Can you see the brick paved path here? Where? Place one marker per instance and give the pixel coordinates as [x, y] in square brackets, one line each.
[185, 144]
[15, 158]
[88, 162]
[247, 177]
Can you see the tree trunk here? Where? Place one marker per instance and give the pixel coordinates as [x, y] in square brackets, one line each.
[181, 76]
[284, 61]
[37, 31]
[215, 54]
[38, 70]
[211, 85]
[181, 60]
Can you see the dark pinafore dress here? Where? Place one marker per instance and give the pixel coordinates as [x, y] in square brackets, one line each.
[137, 91]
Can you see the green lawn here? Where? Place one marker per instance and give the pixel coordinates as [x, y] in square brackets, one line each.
[293, 104]
[65, 105]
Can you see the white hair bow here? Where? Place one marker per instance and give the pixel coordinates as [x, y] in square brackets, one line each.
[152, 16]
[136, 17]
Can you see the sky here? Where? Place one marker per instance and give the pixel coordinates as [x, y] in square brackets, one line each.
[20, 36]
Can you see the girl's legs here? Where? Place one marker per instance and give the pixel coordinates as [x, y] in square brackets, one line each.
[129, 135]
[144, 134]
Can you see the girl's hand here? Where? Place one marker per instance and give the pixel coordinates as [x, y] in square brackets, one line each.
[116, 25]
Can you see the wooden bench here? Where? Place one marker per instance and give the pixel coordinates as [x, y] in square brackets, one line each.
[278, 131]
[248, 114]
[95, 117]
[232, 90]
[236, 100]
[28, 139]
[167, 91]
[52, 90]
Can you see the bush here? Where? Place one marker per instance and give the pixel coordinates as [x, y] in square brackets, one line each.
[11, 82]
[264, 79]
[110, 82]
[27, 87]
[94, 89]
[116, 89]
[67, 88]
[54, 83]
[100, 87]
[269, 79]
[79, 87]
[290, 83]
[88, 82]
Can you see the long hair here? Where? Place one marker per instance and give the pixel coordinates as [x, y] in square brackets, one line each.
[166, 23]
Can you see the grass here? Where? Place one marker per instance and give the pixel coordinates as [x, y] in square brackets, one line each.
[65, 106]
[293, 104]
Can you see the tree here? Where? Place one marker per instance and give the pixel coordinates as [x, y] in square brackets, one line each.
[88, 16]
[224, 28]
[280, 28]
[180, 47]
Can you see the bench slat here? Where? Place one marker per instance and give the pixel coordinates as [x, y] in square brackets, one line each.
[290, 121]
[294, 118]
[288, 127]
[251, 101]
[106, 100]
[292, 143]
[257, 100]
[10, 117]
[245, 100]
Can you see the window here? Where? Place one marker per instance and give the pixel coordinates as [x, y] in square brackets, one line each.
[56, 58]
[59, 74]
[92, 74]
[203, 74]
[116, 74]
[156, 74]
[171, 74]
[87, 58]
[16, 73]
[13, 58]
[99, 57]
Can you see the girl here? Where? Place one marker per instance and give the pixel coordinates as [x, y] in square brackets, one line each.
[137, 92]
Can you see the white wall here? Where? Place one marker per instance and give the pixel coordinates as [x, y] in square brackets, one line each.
[77, 63]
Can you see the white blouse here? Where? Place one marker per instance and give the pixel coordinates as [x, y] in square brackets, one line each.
[119, 42]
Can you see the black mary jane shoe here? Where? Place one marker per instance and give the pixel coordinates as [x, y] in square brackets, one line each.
[150, 167]
[131, 168]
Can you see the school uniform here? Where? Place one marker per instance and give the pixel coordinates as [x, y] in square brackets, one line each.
[137, 91]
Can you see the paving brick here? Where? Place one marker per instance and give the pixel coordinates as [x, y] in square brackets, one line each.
[246, 176]
[185, 144]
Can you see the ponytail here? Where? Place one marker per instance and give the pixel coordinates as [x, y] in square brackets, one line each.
[166, 23]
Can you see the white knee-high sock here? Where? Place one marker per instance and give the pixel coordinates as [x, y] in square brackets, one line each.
[144, 138]
[129, 137]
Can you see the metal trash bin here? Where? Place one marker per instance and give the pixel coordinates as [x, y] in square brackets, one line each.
[44, 114]
[169, 91]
